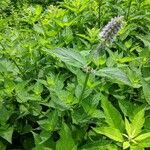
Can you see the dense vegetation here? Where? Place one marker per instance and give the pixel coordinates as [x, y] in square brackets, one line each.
[55, 94]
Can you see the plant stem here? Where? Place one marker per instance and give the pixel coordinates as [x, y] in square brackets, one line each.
[128, 11]
[99, 13]
[22, 73]
[84, 86]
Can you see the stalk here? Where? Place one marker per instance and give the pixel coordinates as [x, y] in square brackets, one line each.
[22, 73]
[84, 86]
[99, 13]
[129, 8]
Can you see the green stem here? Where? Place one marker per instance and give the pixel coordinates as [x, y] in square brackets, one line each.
[99, 13]
[22, 73]
[84, 86]
[128, 12]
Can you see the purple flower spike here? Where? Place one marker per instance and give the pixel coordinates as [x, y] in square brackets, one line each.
[107, 36]
[111, 29]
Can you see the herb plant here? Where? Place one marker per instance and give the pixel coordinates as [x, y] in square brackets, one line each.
[74, 75]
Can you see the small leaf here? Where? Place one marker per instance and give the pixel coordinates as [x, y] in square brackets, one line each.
[38, 88]
[128, 127]
[126, 145]
[49, 123]
[110, 132]
[6, 133]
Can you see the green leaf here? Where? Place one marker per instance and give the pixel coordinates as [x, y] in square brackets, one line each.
[138, 122]
[128, 127]
[112, 115]
[49, 123]
[66, 141]
[127, 107]
[69, 56]
[136, 148]
[146, 87]
[96, 145]
[39, 140]
[2, 146]
[38, 88]
[144, 143]
[115, 74]
[126, 59]
[126, 145]
[110, 132]
[2, 68]
[6, 133]
[143, 136]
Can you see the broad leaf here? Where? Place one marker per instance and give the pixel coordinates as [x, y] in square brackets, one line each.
[112, 115]
[115, 74]
[69, 56]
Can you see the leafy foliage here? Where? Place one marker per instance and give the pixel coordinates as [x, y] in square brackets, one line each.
[54, 95]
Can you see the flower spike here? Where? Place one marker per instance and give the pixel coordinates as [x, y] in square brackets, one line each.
[111, 29]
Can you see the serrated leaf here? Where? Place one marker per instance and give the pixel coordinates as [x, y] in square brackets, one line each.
[146, 87]
[138, 122]
[66, 141]
[115, 74]
[110, 132]
[144, 143]
[142, 136]
[112, 115]
[127, 107]
[70, 57]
